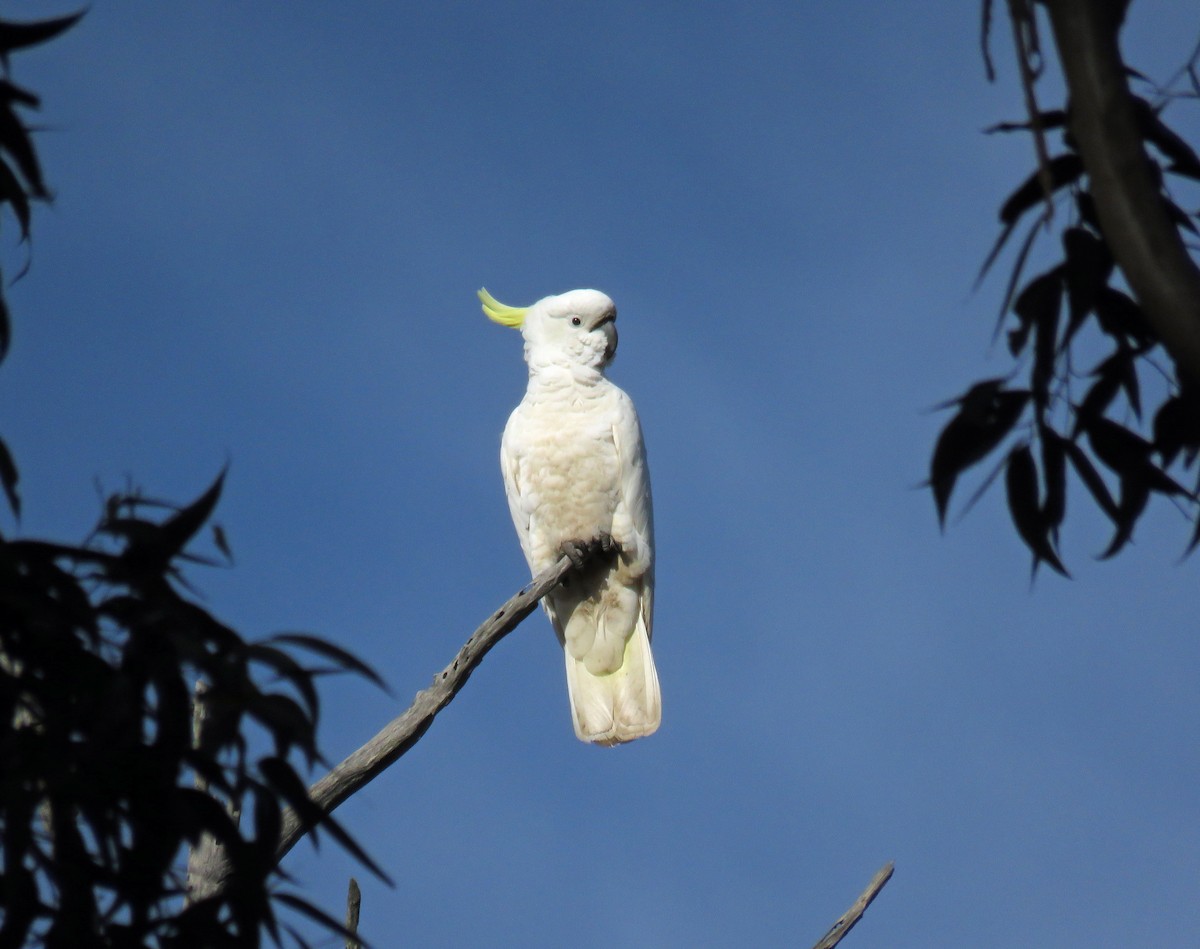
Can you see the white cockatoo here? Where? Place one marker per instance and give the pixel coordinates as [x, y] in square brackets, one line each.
[576, 478]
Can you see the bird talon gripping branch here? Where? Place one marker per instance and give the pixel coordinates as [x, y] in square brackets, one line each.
[576, 551]
[577, 484]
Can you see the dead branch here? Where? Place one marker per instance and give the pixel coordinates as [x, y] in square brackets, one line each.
[207, 867]
[353, 907]
[839, 929]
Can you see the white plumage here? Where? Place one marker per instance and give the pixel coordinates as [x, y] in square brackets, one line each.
[575, 474]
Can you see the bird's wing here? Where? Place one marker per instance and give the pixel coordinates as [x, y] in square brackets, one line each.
[633, 521]
[509, 466]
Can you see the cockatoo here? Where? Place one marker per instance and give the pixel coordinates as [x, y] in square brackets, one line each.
[576, 478]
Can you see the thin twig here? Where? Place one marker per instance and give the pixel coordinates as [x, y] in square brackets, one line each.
[985, 34]
[1025, 38]
[353, 905]
[839, 929]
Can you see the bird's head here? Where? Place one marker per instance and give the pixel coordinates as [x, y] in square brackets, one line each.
[576, 328]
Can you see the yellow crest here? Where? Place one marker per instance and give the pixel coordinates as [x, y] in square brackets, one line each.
[512, 316]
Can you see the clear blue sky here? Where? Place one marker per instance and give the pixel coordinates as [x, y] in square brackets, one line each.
[269, 227]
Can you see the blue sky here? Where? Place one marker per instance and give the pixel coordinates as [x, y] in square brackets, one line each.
[269, 226]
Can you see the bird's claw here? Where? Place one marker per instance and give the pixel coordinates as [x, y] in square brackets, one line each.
[578, 551]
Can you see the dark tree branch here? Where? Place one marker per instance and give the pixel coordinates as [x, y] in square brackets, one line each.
[1029, 55]
[1137, 227]
[207, 869]
[839, 929]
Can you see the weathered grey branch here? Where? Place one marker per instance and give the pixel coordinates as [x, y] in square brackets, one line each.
[207, 869]
[405, 731]
[353, 906]
[1137, 226]
[839, 929]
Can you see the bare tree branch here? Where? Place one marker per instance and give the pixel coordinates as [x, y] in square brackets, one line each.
[1143, 238]
[1029, 62]
[353, 907]
[207, 867]
[839, 929]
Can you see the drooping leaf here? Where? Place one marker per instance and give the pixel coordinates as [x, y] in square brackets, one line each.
[288, 669]
[11, 93]
[1098, 397]
[15, 36]
[1179, 217]
[1183, 158]
[1063, 170]
[1014, 276]
[12, 192]
[1134, 495]
[986, 414]
[199, 813]
[221, 542]
[1128, 454]
[9, 478]
[1044, 351]
[1121, 450]
[1121, 318]
[1020, 479]
[1001, 240]
[1054, 475]
[1195, 541]
[1039, 303]
[267, 823]
[282, 777]
[1088, 266]
[1177, 428]
[1086, 205]
[303, 906]
[287, 722]
[181, 528]
[157, 544]
[15, 140]
[1127, 371]
[343, 658]
[1091, 479]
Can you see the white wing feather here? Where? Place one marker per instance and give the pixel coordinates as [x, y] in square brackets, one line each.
[509, 466]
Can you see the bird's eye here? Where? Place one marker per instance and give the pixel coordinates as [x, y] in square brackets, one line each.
[575, 321]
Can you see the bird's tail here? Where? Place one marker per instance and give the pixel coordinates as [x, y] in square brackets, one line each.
[618, 706]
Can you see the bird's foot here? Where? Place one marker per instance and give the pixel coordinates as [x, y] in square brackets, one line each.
[578, 551]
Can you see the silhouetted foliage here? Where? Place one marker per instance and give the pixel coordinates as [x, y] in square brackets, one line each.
[104, 787]
[99, 649]
[1060, 417]
[20, 179]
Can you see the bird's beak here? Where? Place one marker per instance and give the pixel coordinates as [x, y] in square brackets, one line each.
[609, 327]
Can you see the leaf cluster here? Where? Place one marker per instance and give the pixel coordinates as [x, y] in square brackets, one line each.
[104, 786]
[1049, 417]
[21, 181]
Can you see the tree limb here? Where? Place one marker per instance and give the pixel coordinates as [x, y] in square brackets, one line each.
[1143, 239]
[353, 908]
[406, 730]
[207, 870]
[839, 929]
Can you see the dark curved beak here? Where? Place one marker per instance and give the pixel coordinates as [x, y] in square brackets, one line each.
[609, 326]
